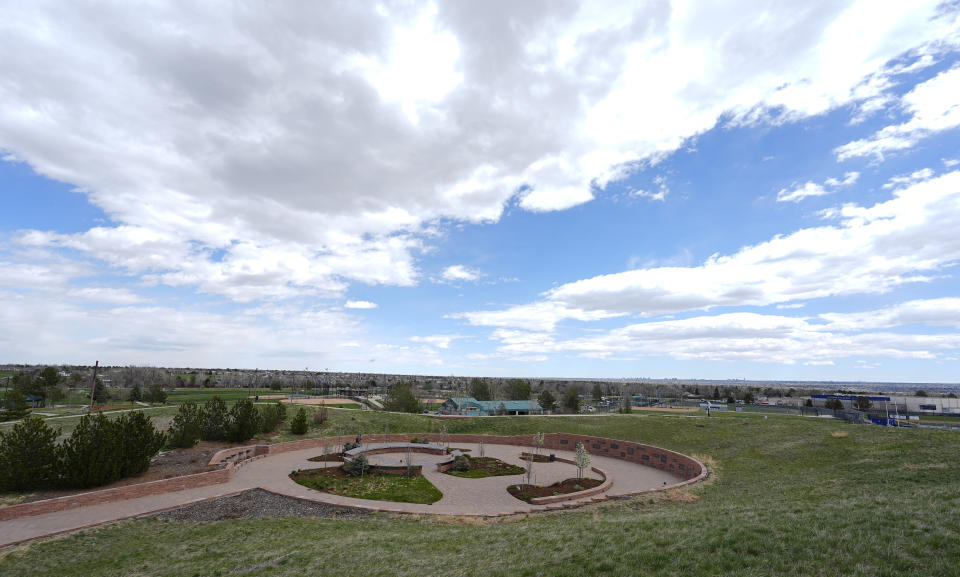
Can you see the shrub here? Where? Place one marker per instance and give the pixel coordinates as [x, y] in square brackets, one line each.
[461, 463]
[269, 418]
[244, 421]
[139, 442]
[186, 427]
[155, 394]
[92, 456]
[350, 445]
[320, 417]
[358, 466]
[14, 406]
[281, 411]
[216, 420]
[834, 404]
[298, 426]
[28, 456]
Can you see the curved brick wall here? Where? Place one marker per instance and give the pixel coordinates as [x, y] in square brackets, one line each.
[677, 463]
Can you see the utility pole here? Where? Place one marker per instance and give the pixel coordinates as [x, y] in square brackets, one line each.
[93, 385]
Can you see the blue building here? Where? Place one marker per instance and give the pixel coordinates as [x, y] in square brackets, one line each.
[468, 406]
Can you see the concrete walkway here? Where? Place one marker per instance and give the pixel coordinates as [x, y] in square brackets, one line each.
[485, 497]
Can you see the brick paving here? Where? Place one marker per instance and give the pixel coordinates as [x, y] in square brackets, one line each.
[485, 497]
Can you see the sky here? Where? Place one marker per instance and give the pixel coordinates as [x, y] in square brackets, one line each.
[658, 189]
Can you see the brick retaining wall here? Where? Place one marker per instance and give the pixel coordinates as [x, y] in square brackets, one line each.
[115, 494]
[681, 465]
[678, 464]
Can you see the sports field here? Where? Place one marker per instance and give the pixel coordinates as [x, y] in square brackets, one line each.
[787, 497]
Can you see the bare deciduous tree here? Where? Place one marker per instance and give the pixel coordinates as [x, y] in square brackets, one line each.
[582, 459]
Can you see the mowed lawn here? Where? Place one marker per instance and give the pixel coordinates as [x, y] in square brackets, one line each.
[787, 498]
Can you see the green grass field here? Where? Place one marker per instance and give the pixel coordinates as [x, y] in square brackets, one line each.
[378, 486]
[786, 498]
[199, 395]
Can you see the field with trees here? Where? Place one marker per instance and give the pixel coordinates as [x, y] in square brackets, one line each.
[787, 496]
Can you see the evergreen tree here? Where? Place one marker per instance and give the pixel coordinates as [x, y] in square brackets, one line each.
[244, 421]
[571, 400]
[597, 393]
[480, 390]
[517, 390]
[156, 394]
[136, 394]
[14, 405]
[401, 399]
[100, 393]
[186, 427]
[28, 455]
[298, 426]
[140, 441]
[91, 456]
[216, 420]
[269, 418]
[547, 400]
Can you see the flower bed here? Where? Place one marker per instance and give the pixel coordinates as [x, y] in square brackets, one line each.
[373, 485]
[328, 458]
[481, 467]
[530, 492]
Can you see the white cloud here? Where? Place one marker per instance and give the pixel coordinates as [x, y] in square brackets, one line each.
[459, 273]
[798, 194]
[661, 193]
[120, 296]
[360, 305]
[933, 107]
[849, 178]
[814, 189]
[258, 157]
[936, 312]
[909, 179]
[907, 239]
[748, 337]
[439, 341]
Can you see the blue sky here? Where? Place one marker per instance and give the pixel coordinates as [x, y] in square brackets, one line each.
[553, 189]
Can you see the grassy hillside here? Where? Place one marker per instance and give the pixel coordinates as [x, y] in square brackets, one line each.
[788, 498]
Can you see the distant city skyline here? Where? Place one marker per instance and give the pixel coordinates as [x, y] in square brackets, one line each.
[588, 190]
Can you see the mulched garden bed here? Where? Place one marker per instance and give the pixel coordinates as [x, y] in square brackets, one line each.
[328, 458]
[528, 492]
[487, 467]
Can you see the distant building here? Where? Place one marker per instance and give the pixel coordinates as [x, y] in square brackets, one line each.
[468, 406]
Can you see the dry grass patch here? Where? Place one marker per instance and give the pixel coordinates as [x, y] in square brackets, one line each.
[839, 434]
[679, 496]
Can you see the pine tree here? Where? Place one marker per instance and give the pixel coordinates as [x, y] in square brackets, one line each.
[28, 456]
[91, 456]
[139, 440]
[185, 430]
[216, 420]
[298, 426]
[244, 421]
